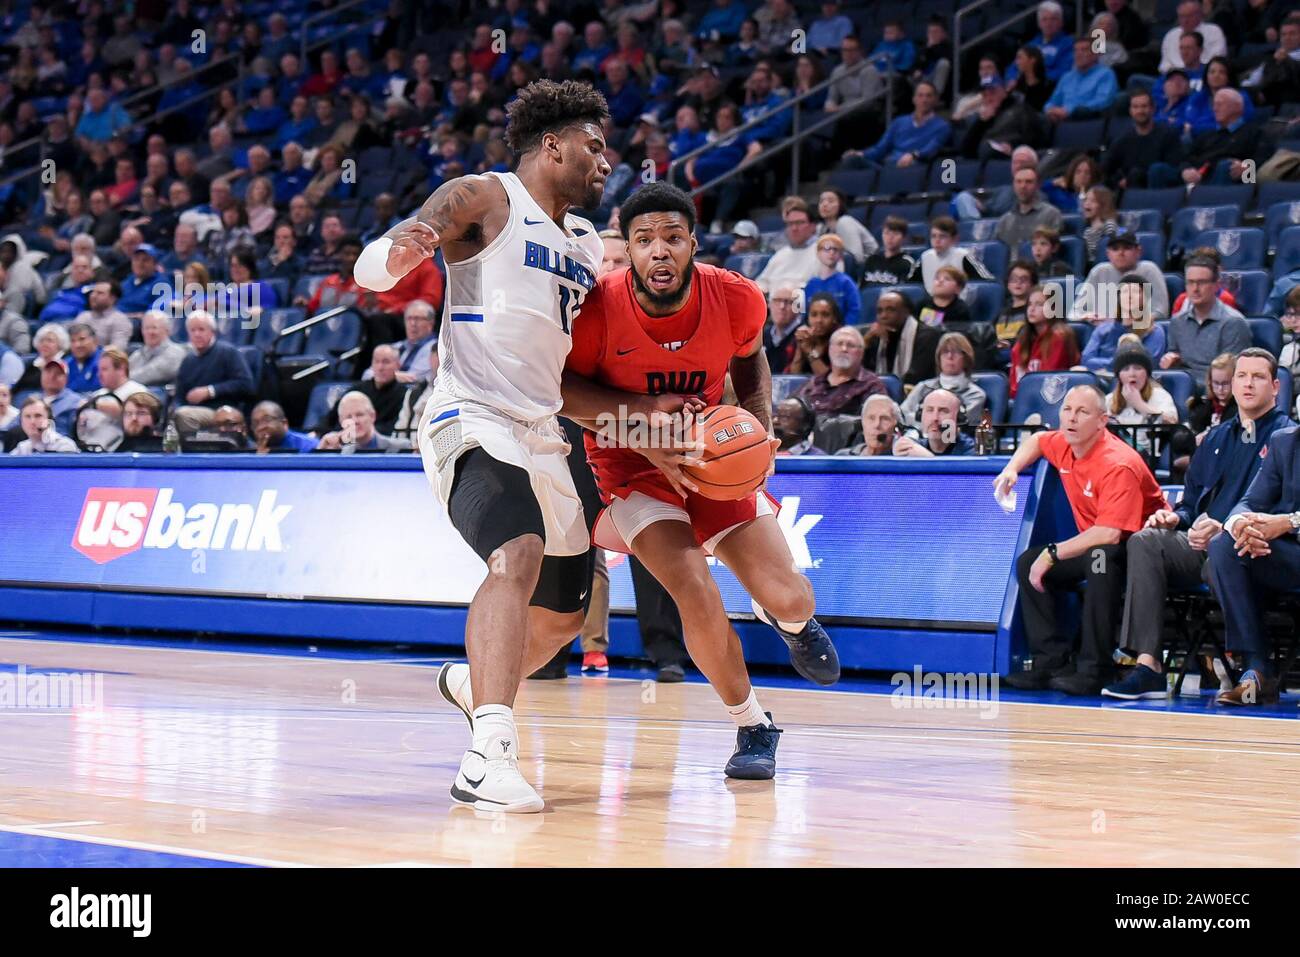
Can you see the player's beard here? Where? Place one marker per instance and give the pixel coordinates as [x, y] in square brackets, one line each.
[663, 301]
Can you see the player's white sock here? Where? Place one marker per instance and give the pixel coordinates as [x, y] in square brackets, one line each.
[492, 721]
[746, 714]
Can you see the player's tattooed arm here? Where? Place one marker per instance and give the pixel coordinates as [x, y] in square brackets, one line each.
[752, 379]
[453, 213]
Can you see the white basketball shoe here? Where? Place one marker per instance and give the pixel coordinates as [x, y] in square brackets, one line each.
[453, 684]
[491, 781]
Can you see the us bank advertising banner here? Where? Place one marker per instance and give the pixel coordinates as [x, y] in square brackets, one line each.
[919, 547]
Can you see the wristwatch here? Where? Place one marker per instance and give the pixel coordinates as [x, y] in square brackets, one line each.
[1295, 522]
[1051, 550]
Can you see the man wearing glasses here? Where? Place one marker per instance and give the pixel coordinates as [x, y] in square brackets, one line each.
[1205, 327]
[796, 263]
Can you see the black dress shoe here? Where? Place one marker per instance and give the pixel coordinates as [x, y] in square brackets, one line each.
[671, 674]
[1080, 684]
[557, 667]
[1027, 680]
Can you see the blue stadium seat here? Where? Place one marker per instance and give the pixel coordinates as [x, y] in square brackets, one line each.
[306, 285]
[918, 231]
[1078, 135]
[1191, 221]
[965, 174]
[1249, 287]
[895, 180]
[281, 287]
[1278, 217]
[1042, 392]
[1174, 285]
[854, 182]
[894, 385]
[1071, 224]
[1287, 257]
[984, 299]
[748, 265]
[770, 223]
[1153, 247]
[337, 338]
[1240, 195]
[997, 389]
[1082, 333]
[1142, 220]
[908, 211]
[995, 173]
[324, 396]
[784, 386]
[1270, 194]
[1266, 333]
[868, 295]
[253, 359]
[976, 230]
[267, 335]
[1165, 200]
[1238, 248]
[913, 291]
[1286, 393]
[993, 255]
[1180, 386]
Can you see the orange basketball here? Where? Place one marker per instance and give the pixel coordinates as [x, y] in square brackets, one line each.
[736, 453]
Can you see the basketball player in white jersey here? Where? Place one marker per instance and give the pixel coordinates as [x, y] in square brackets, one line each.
[518, 266]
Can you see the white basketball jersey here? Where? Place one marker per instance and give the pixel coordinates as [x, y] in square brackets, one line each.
[509, 311]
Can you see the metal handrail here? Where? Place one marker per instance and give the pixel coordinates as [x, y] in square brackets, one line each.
[958, 46]
[797, 134]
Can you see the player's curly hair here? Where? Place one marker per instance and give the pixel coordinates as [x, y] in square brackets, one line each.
[545, 106]
[657, 197]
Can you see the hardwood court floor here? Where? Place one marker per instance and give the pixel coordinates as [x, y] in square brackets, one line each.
[295, 760]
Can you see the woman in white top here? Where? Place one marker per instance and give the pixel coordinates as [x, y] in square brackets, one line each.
[1138, 399]
[833, 208]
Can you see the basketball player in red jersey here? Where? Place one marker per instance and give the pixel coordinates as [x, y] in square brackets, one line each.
[668, 325]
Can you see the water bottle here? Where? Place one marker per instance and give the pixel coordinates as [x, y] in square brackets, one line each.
[986, 442]
[171, 438]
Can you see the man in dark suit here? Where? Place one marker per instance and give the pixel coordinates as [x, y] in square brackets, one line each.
[1259, 554]
[899, 343]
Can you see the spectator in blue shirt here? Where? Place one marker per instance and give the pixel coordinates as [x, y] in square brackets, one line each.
[624, 96]
[1055, 45]
[689, 135]
[829, 30]
[102, 119]
[724, 20]
[138, 293]
[1134, 317]
[1173, 101]
[271, 431]
[301, 125]
[83, 358]
[267, 116]
[910, 139]
[293, 177]
[830, 281]
[1087, 90]
[596, 48]
[895, 51]
[761, 98]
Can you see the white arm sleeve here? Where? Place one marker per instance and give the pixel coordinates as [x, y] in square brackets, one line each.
[371, 270]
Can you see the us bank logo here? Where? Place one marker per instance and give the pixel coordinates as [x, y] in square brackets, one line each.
[118, 521]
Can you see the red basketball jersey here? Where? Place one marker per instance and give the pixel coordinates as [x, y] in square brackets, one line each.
[618, 345]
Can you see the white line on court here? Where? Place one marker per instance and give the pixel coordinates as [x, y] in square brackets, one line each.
[796, 690]
[37, 830]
